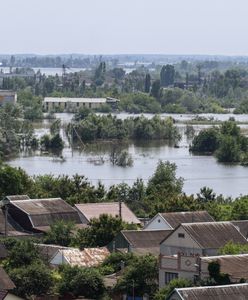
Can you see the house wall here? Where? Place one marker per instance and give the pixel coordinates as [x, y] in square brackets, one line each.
[119, 242]
[58, 259]
[20, 217]
[174, 296]
[157, 223]
[63, 106]
[174, 244]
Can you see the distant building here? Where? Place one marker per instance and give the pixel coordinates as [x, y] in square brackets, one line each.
[73, 104]
[88, 211]
[222, 292]
[170, 220]
[7, 97]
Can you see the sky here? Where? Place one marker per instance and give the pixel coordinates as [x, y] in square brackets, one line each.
[214, 27]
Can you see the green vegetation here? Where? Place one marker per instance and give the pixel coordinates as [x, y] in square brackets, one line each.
[94, 127]
[226, 142]
[173, 284]
[232, 249]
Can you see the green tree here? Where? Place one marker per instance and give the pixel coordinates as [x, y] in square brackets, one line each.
[78, 281]
[167, 75]
[229, 150]
[155, 90]
[141, 277]
[31, 280]
[231, 249]
[173, 284]
[207, 141]
[60, 233]
[147, 83]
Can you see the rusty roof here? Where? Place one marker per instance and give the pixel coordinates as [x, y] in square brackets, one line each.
[145, 241]
[214, 234]
[44, 212]
[223, 292]
[234, 265]
[176, 218]
[5, 282]
[94, 210]
[88, 257]
[242, 226]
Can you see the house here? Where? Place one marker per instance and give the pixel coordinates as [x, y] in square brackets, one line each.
[194, 267]
[72, 104]
[88, 257]
[6, 285]
[7, 97]
[222, 292]
[37, 215]
[193, 239]
[48, 251]
[170, 220]
[88, 211]
[139, 241]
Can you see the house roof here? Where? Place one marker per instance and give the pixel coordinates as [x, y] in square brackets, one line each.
[3, 294]
[74, 100]
[242, 226]
[176, 218]
[223, 292]
[44, 212]
[17, 197]
[89, 257]
[145, 241]
[94, 210]
[48, 251]
[214, 234]
[234, 265]
[5, 282]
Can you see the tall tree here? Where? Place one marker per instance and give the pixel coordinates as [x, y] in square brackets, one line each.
[167, 75]
[147, 83]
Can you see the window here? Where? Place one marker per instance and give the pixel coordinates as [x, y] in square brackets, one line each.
[169, 276]
[181, 235]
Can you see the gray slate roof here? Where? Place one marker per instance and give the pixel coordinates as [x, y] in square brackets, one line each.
[224, 292]
[176, 218]
[214, 234]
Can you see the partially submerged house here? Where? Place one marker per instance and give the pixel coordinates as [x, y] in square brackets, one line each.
[88, 257]
[37, 215]
[222, 292]
[170, 220]
[89, 211]
[139, 241]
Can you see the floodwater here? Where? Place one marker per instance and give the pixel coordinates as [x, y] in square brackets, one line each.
[93, 162]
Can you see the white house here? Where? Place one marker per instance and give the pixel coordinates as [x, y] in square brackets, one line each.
[170, 220]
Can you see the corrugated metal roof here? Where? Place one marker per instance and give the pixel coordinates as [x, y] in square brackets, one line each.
[74, 100]
[48, 251]
[17, 197]
[2, 223]
[243, 226]
[94, 210]
[3, 294]
[89, 257]
[44, 212]
[234, 265]
[176, 218]
[224, 292]
[5, 282]
[145, 238]
[214, 234]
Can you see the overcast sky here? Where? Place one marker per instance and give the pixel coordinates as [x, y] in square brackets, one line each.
[124, 26]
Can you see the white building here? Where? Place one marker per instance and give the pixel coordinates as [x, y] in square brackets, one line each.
[73, 104]
[7, 97]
